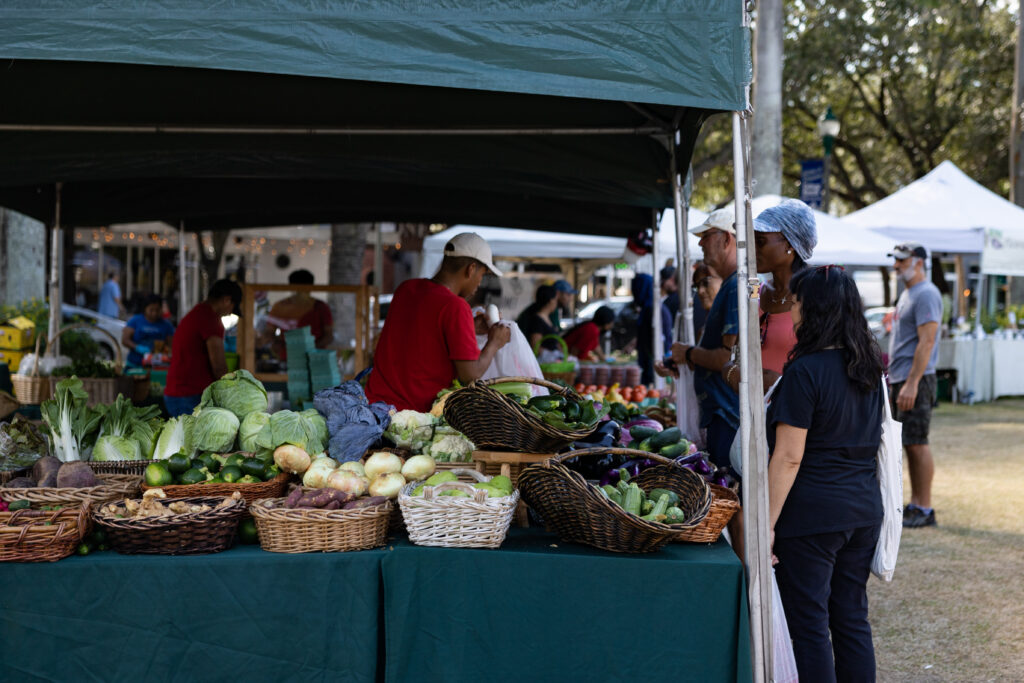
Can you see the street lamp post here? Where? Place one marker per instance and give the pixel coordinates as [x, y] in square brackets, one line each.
[828, 129]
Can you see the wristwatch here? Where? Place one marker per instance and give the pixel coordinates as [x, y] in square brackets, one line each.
[689, 355]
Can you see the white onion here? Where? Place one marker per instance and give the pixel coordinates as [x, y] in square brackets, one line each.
[387, 485]
[292, 459]
[347, 481]
[353, 466]
[316, 476]
[382, 463]
[418, 467]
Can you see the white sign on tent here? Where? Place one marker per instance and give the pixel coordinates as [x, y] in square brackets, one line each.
[1003, 253]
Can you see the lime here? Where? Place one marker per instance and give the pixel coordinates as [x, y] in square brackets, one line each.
[247, 531]
[158, 474]
[254, 467]
[231, 473]
[178, 463]
[192, 476]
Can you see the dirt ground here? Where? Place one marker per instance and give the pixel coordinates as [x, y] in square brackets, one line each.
[955, 608]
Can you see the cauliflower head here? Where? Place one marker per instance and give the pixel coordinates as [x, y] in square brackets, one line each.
[452, 448]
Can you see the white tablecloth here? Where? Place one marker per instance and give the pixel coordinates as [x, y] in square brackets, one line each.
[986, 368]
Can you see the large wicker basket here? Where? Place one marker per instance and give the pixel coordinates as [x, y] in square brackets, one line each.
[579, 513]
[301, 530]
[30, 388]
[273, 488]
[492, 420]
[136, 467]
[42, 535]
[183, 534]
[456, 522]
[100, 389]
[114, 486]
[724, 504]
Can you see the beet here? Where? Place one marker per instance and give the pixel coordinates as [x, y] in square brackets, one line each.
[76, 475]
[43, 467]
[49, 481]
[20, 483]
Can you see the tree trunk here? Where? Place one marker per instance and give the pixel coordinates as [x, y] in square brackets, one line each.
[1017, 119]
[767, 143]
[348, 247]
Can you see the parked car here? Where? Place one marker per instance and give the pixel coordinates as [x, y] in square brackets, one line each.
[879, 321]
[114, 326]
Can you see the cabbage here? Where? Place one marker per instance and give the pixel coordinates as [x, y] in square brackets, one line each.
[288, 427]
[215, 430]
[176, 436]
[255, 433]
[320, 424]
[239, 392]
[111, 448]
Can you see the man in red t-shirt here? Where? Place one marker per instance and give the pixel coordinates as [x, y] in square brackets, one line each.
[584, 340]
[428, 338]
[197, 350]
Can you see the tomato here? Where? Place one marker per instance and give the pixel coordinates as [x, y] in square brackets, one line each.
[653, 393]
[627, 394]
[603, 388]
[580, 387]
[591, 388]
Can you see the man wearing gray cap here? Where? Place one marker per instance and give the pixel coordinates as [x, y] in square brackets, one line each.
[913, 353]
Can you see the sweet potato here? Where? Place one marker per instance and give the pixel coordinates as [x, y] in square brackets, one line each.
[368, 502]
[333, 505]
[294, 497]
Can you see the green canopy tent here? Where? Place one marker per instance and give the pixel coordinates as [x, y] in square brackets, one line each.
[575, 116]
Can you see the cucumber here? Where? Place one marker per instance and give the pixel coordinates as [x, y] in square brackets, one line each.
[641, 433]
[19, 505]
[675, 449]
[665, 438]
[644, 445]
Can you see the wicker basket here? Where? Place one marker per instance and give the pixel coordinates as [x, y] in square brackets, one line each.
[184, 534]
[136, 467]
[31, 389]
[724, 504]
[41, 535]
[100, 389]
[274, 488]
[492, 420]
[577, 512]
[301, 530]
[455, 522]
[563, 370]
[114, 486]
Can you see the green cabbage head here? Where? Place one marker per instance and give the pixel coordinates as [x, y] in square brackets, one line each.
[239, 392]
[214, 430]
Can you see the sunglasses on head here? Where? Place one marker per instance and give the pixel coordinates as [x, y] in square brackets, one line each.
[827, 268]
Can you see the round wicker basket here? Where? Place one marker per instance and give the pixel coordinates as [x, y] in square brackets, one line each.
[303, 530]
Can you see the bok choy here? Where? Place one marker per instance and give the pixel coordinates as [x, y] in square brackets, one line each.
[68, 418]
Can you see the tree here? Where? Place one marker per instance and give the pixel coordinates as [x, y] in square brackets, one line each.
[913, 82]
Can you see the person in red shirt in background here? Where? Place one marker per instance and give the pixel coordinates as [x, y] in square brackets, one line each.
[584, 340]
[197, 351]
[429, 338]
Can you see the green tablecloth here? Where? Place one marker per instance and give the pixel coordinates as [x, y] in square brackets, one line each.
[243, 615]
[543, 610]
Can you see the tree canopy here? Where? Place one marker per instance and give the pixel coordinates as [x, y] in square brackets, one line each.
[912, 82]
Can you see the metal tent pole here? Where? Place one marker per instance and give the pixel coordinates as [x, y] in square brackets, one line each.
[182, 300]
[658, 350]
[684, 328]
[56, 247]
[757, 545]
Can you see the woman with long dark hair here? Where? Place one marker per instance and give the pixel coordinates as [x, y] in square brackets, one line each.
[824, 429]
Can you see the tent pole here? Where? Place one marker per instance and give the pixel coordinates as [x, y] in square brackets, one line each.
[182, 300]
[157, 280]
[684, 330]
[99, 265]
[658, 350]
[757, 546]
[56, 247]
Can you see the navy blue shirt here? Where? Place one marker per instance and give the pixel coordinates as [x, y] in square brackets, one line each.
[713, 394]
[836, 487]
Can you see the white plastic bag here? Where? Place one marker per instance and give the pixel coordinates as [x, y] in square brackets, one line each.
[687, 408]
[890, 481]
[783, 659]
[514, 359]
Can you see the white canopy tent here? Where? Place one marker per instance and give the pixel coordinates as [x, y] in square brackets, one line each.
[946, 211]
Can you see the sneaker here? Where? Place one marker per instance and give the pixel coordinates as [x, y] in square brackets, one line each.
[914, 517]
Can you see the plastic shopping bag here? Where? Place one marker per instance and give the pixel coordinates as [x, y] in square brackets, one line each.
[783, 659]
[515, 359]
[890, 481]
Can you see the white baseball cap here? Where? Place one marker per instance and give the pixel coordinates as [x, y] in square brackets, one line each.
[722, 219]
[471, 245]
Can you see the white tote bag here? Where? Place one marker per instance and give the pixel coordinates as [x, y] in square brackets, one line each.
[890, 481]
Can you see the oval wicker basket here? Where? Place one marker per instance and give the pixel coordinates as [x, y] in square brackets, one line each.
[42, 535]
[302, 530]
[724, 504]
[492, 420]
[114, 486]
[100, 389]
[136, 467]
[182, 534]
[579, 513]
[272, 488]
[457, 522]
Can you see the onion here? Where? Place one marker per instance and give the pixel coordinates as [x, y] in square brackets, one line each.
[347, 481]
[316, 476]
[353, 466]
[292, 459]
[418, 467]
[382, 463]
[387, 485]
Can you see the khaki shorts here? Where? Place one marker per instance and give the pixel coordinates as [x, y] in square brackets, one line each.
[917, 420]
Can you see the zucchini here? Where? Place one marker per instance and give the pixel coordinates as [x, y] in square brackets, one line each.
[646, 506]
[613, 494]
[665, 438]
[632, 500]
[675, 516]
[658, 513]
[640, 433]
[655, 494]
[675, 449]
[624, 474]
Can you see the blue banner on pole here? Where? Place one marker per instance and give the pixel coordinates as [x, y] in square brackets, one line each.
[812, 181]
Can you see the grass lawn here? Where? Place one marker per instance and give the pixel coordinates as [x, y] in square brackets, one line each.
[955, 608]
